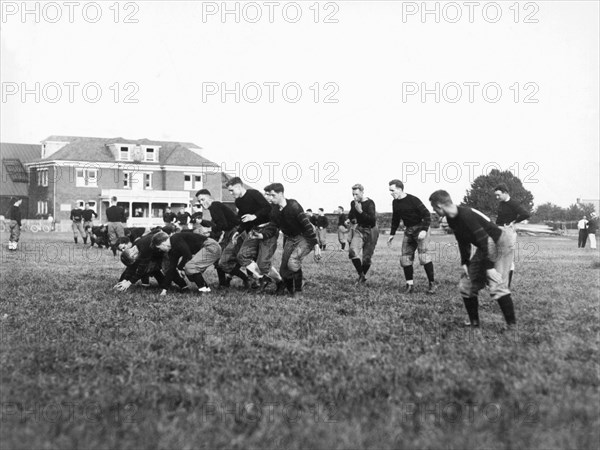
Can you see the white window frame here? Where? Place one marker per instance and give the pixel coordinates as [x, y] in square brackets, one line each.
[121, 153]
[42, 177]
[193, 184]
[148, 181]
[152, 151]
[42, 207]
[127, 179]
[84, 181]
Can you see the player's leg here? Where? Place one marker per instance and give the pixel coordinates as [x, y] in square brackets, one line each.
[74, 230]
[503, 258]
[202, 260]
[425, 261]
[299, 252]
[409, 247]
[470, 286]
[355, 253]
[369, 248]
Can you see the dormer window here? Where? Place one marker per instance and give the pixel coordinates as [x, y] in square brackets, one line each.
[124, 154]
[151, 154]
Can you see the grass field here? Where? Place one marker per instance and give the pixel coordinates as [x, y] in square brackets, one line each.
[346, 366]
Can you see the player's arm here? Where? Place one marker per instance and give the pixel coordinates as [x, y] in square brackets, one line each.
[425, 215]
[521, 213]
[370, 213]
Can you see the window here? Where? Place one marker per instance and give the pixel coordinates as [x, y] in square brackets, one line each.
[124, 154]
[150, 155]
[147, 181]
[192, 182]
[80, 204]
[42, 207]
[87, 178]
[127, 180]
[42, 177]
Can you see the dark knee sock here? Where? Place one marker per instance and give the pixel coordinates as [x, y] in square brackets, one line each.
[343, 245]
[429, 271]
[298, 281]
[472, 307]
[366, 267]
[289, 284]
[408, 273]
[179, 281]
[199, 280]
[222, 277]
[508, 309]
[158, 276]
[146, 279]
[238, 273]
[85, 240]
[510, 276]
[75, 239]
[357, 265]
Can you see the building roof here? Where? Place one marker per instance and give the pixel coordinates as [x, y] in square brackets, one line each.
[13, 157]
[96, 150]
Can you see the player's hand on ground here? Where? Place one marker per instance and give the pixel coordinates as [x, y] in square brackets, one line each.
[422, 235]
[494, 275]
[317, 255]
[122, 286]
[390, 239]
[163, 293]
[248, 217]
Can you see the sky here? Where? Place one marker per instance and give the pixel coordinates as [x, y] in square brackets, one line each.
[321, 95]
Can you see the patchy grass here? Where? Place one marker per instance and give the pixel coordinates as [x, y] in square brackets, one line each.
[347, 366]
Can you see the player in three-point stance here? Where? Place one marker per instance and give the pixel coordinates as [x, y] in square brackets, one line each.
[492, 259]
[416, 218]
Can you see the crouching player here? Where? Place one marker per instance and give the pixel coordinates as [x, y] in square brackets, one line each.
[142, 262]
[191, 253]
[299, 236]
[491, 262]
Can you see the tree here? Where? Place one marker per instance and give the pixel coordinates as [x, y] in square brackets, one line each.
[549, 212]
[481, 195]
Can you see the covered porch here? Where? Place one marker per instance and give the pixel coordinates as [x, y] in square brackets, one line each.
[145, 208]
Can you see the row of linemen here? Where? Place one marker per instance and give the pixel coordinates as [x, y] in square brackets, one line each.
[243, 245]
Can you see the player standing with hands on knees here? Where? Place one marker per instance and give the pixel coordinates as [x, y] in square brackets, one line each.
[510, 212]
[416, 218]
[491, 262]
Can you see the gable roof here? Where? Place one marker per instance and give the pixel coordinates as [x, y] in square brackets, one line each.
[96, 150]
[13, 157]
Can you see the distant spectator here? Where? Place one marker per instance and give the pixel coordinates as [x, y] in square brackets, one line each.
[169, 216]
[592, 228]
[582, 226]
[13, 217]
[342, 229]
[116, 217]
[77, 223]
[183, 218]
[322, 224]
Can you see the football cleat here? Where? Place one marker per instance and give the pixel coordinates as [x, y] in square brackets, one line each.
[204, 290]
[409, 288]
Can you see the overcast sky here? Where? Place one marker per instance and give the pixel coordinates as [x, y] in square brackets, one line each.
[517, 88]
